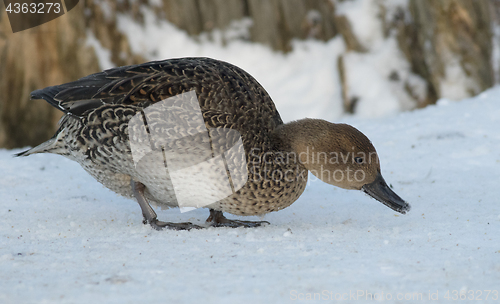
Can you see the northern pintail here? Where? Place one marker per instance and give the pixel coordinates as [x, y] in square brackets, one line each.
[210, 120]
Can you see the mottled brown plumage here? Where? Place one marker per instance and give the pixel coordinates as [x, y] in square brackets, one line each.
[97, 132]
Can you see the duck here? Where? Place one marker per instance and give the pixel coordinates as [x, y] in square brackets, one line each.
[199, 132]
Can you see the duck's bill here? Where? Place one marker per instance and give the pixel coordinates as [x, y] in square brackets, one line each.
[382, 193]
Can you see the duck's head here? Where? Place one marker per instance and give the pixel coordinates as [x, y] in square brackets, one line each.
[342, 156]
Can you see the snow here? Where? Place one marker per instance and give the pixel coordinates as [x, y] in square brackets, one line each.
[454, 74]
[495, 57]
[306, 78]
[304, 82]
[103, 54]
[381, 73]
[365, 23]
[369, 79]
[66, 239]
[368, 74]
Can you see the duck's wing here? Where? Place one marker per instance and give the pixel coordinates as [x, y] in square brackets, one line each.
[139, 85]
[219, 86]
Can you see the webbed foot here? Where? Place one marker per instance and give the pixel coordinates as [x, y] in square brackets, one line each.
[159, 225]
[150, 215]
[217, 219]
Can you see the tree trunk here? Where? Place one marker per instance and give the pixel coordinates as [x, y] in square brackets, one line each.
[451, 36]
[32, 59]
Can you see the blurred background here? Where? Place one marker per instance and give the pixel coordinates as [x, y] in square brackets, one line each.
[316, 58]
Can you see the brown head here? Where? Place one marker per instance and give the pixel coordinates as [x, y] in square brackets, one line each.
[342, 156]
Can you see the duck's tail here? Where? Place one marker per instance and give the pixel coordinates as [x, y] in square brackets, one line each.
[54, 145]
[49, 146]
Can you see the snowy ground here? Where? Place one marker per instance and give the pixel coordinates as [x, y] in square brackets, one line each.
[66, 239]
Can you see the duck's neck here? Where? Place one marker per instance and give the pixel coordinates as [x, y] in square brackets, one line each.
[298, 136]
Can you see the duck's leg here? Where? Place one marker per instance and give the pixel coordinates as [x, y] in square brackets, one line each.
[217, 219]
[150, 215]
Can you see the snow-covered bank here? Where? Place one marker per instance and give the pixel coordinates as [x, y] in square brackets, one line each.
[306, 81]
[66, 239]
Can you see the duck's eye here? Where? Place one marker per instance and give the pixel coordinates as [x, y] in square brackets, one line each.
[358, 160]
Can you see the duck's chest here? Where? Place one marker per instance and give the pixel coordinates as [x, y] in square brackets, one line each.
[271, 186]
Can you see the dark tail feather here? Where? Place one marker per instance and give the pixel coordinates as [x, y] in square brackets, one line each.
[24, 153]
[74, 96]
[50, 146]
[48, 95]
